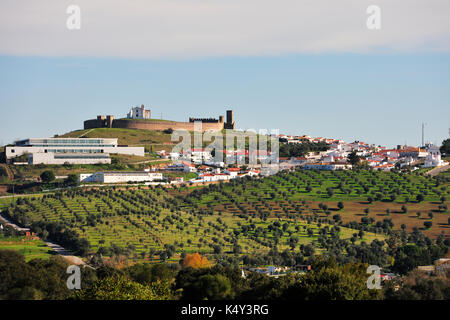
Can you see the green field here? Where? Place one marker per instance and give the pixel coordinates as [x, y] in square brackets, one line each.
[31, 249]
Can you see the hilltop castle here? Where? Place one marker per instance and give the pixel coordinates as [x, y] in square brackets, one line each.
[139, 118]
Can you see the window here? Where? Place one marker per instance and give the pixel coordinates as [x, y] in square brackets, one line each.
[13, 151]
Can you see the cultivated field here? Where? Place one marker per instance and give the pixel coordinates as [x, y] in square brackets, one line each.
[138, 220]
[252, 214]
[358, 191]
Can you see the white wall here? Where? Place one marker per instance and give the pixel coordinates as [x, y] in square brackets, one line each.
[138, 113]
[119, 178]
[138, 151]
[48, 158]
[89, 177]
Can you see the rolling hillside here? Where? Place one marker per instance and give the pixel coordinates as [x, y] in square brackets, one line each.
[141, 221]
[151, 140]
[142, 138]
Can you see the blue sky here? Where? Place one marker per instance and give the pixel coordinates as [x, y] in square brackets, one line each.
[300, 66]
[374, 98]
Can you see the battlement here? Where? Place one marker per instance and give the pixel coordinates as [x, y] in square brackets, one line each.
[226, 125]
[207, 120]
[100, 122]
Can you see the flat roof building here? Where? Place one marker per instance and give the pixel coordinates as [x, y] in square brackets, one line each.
[70, 142]
[71, 158]
[74, 150]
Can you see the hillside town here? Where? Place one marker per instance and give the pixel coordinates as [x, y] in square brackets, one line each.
[200, 161]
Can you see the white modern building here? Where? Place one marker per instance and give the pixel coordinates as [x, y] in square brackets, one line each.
[138, 113]
[120, 177]
[72, 158]
[72, 150]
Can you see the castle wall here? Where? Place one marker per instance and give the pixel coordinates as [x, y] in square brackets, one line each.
[93, 123]
[208, 124]
[100, 122]
[164, 125]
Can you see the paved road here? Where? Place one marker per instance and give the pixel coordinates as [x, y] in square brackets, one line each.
[437, 170]
[65, 254]
[8, 222]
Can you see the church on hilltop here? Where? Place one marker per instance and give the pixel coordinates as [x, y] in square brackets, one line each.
[138, 113]
[140, 118]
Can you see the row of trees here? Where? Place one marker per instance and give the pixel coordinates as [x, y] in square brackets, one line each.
[48, 176]
[301, 149]
[327, 280]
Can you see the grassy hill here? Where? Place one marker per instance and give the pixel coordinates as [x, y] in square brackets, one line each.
[30, 248]
[151, 140]
[132, 137]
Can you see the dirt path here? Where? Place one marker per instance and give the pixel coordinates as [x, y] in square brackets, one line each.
[148, 161]
[85, 133]
[8, 171]
[437, 170]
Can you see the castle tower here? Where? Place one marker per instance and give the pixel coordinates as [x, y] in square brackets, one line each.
[230, 122]
[109, 121]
